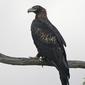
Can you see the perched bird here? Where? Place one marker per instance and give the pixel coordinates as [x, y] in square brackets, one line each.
[49, 42]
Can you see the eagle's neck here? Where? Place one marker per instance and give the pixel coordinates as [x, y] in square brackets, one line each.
[41, 15]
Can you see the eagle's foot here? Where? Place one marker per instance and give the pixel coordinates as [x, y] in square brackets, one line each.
[42, 60]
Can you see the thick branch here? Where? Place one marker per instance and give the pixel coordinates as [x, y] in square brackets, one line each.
[35, 61]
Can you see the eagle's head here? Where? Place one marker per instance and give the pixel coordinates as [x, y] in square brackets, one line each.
[38, 10]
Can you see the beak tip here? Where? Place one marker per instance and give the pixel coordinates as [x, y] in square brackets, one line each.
[28, 11]
[31, 10]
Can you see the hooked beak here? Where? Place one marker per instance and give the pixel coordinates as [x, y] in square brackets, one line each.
[31, 10]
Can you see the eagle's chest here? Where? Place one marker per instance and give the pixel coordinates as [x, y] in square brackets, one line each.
[39, 30]
[40, 34]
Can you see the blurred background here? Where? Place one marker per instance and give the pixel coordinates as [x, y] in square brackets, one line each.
[15, 39]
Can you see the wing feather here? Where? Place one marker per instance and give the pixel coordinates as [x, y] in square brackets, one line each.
[48, 32]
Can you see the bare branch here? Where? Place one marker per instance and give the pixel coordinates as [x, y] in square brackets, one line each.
[35, 61]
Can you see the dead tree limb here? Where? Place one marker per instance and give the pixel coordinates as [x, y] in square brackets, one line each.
[35, 61]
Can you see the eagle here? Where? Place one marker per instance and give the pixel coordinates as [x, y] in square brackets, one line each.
[49, 42]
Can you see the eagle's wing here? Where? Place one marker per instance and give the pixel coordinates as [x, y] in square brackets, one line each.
[47, 33]
[57, 33]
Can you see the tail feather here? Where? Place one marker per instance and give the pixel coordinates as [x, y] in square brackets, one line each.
[60, 62]
[63, 72]
[64, 76]
[64, 79]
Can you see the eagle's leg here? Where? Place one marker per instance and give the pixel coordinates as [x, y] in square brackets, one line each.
[41, 58]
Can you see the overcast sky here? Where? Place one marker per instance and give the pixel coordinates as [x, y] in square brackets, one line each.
[15, 39]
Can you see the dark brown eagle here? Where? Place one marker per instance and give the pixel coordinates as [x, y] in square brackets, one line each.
[49, 42]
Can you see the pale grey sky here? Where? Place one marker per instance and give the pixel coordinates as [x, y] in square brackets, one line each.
[15, 39]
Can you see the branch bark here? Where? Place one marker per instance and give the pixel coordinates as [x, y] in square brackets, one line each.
[35, 61]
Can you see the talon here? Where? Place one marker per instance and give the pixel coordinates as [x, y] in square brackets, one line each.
[42, 60]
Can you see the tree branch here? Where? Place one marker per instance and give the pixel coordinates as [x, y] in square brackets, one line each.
[35, 61]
